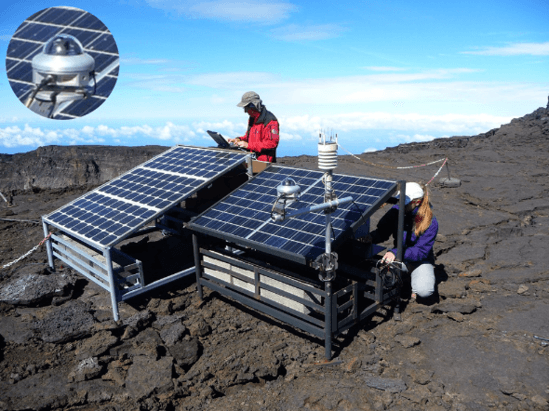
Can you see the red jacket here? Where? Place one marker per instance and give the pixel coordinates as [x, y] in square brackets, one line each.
[263, 135]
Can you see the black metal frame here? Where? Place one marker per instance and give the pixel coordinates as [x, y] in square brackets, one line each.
[340, 303]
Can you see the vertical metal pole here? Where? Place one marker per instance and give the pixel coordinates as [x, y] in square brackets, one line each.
[328, 323]
[49, 248]
[400, 236]
[112, 285]
[327, 198]
[328, 315]
[401, 209]
[250, 167]
[197, 266]
[379, 287]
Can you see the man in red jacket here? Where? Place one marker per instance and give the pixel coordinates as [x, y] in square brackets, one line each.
[262, 135]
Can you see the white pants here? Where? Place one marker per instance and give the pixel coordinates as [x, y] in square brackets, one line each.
[423, 278]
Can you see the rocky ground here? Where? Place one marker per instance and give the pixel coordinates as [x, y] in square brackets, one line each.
[481, 345]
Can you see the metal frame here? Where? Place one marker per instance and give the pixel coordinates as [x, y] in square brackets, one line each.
[119, 274]
[339, 302]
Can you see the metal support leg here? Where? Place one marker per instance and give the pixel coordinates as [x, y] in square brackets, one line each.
[112, 284]
[402, 207]
[400, 235]
[328, 323]
[198, 267]
[49, 249]
[250, 167]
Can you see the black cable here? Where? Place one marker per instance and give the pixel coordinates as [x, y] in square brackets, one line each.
[94, 83]
[44, 82]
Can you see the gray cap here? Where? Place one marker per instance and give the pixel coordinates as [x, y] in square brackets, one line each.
[250, 97]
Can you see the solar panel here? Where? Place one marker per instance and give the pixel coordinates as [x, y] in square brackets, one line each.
[105, 216]
[243, 217]
[29, 40]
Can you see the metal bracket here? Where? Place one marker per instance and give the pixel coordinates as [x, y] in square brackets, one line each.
[328, 197]
[327, 264]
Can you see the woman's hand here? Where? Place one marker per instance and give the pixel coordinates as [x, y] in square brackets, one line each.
[388, 258]
[243, 144]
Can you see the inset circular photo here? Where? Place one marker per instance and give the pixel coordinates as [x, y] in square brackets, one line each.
[62, 63]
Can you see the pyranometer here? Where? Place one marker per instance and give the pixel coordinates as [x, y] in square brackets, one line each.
[64, 61]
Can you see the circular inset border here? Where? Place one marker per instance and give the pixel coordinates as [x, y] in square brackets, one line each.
[52, 92]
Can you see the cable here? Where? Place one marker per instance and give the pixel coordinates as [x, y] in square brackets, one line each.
[390, 273]
[44, 82]
[94, 82]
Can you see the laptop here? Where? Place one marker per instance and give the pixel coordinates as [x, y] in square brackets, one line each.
[220, 140]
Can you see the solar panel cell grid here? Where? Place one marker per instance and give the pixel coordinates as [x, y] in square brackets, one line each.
[245, 214]
[113, 211]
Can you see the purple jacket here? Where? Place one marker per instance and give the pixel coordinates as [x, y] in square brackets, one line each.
[415, 248]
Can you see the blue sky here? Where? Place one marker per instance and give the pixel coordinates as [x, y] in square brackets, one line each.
[377, 73]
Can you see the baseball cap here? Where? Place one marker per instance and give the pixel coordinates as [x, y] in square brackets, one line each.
[250, 97]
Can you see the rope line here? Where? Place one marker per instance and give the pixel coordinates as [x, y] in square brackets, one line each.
[28, 252]
[386, 166]
[436, 174]
[20, 221]
[445, 160]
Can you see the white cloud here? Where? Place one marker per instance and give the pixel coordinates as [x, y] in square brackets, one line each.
[170, 83]
[171, 133]
[429, 91]
[416, 138]
[295, 32]
[255, 11]
[517, 49]
[34, 136]
[355, 129]
[385, 68]
[140, 61]
[235, 80]
[349, 122]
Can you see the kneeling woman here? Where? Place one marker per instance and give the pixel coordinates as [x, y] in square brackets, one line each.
[420, 231]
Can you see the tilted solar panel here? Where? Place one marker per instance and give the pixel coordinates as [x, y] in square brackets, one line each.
[243, 217]
[97, 40]
[110, 213]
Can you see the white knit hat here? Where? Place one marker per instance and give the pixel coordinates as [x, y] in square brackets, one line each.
[413, 192]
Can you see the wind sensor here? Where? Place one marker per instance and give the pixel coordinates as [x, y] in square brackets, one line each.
[289, 192]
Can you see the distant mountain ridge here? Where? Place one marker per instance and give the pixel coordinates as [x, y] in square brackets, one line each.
[535, 123]
[54, 167]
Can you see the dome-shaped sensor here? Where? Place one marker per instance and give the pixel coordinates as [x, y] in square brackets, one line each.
[63, 56]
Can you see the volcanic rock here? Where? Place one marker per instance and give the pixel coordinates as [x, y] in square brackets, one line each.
[147, 375]
[68, 322]
[53, 167]
[477, 349]
[392, 385]
[35, 288]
